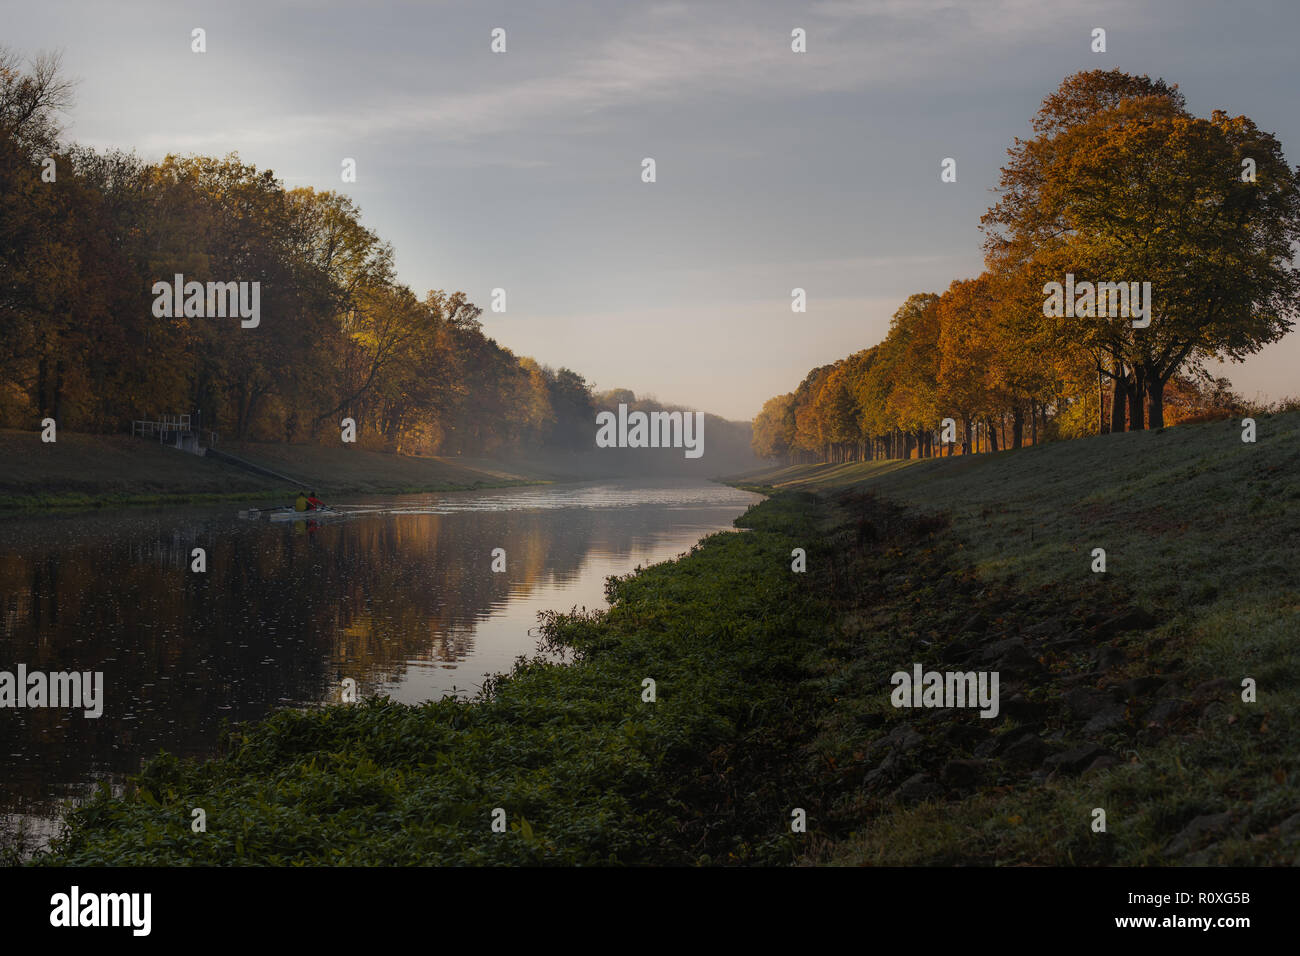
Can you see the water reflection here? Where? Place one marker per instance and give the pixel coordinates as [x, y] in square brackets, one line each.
[397, 594]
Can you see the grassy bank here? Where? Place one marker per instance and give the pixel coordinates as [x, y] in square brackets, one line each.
[585, 770]
[1123, 690]
[1119, 691]
[80, 471]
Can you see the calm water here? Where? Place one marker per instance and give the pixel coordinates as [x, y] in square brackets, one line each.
[398, 594]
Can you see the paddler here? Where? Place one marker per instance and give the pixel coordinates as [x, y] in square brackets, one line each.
[314, 503]
[301, 504]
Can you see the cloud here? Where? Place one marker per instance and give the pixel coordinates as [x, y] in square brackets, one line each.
[692, 56]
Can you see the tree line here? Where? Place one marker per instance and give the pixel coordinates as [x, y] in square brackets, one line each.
[84, 235]
[1118, 183]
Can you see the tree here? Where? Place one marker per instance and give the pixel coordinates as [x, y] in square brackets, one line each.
[1122, 179]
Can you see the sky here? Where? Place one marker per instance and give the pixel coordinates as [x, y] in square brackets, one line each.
[774, 170]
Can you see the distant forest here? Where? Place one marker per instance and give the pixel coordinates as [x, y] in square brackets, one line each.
[84, 238]
[1119, 183]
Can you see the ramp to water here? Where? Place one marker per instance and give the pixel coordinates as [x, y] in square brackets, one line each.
[255, 469]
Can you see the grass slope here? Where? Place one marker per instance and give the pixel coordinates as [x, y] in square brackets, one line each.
[1199, 531]
[98, 470]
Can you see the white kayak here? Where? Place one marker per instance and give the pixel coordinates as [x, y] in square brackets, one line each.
[288, 514]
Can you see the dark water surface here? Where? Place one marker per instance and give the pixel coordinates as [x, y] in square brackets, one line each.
[398, 594]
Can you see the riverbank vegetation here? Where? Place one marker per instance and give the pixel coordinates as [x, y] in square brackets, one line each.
[1120, 691]
[97, 471]
[1119, 183]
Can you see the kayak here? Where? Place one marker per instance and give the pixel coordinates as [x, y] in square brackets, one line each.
[288, 514]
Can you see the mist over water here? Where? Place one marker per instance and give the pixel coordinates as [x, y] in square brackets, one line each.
[397, 593]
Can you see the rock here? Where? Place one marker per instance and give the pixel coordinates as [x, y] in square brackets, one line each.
[1020, 707]
[1141, 687]
[976, 623]
[1104, 762]
[1166, 711]
[1087, 702]
[964, 734]
[1111, 718]
[1213, 689]
[1028, 751]
[1108, 658]
[1044, 629]
[1010, 656]
[1209, 824]
[956, 652]
[1149, 736]
[1134, 619]
[1212, 711]
[878, 747]
[1017, 660]
[1064, 643]
[963, 773]
[1289, 829]
[1205, 857]
[1074, 760]
[892, 740]
[997, 649]
[875, 779]
[916, 788]
[987, 748]
[909, 741]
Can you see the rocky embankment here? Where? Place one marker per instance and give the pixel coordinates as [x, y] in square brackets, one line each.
[1085, 686]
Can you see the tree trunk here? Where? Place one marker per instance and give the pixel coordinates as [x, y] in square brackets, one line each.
[43, 387]
[1155, 400]
[993, 434]
[1017, 426]
[1135, 389]
[1117, 397]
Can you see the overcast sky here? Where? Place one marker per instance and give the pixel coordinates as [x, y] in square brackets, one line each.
[774, 170]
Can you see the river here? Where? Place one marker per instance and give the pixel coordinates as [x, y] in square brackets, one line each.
[397, 594]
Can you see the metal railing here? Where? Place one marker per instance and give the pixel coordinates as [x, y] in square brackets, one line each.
[170, 427]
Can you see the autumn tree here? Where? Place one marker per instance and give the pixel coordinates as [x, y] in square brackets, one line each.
[1123, 184]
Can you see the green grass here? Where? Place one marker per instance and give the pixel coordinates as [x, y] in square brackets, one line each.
[773, 690]
[1199, 529]
[98, 471]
